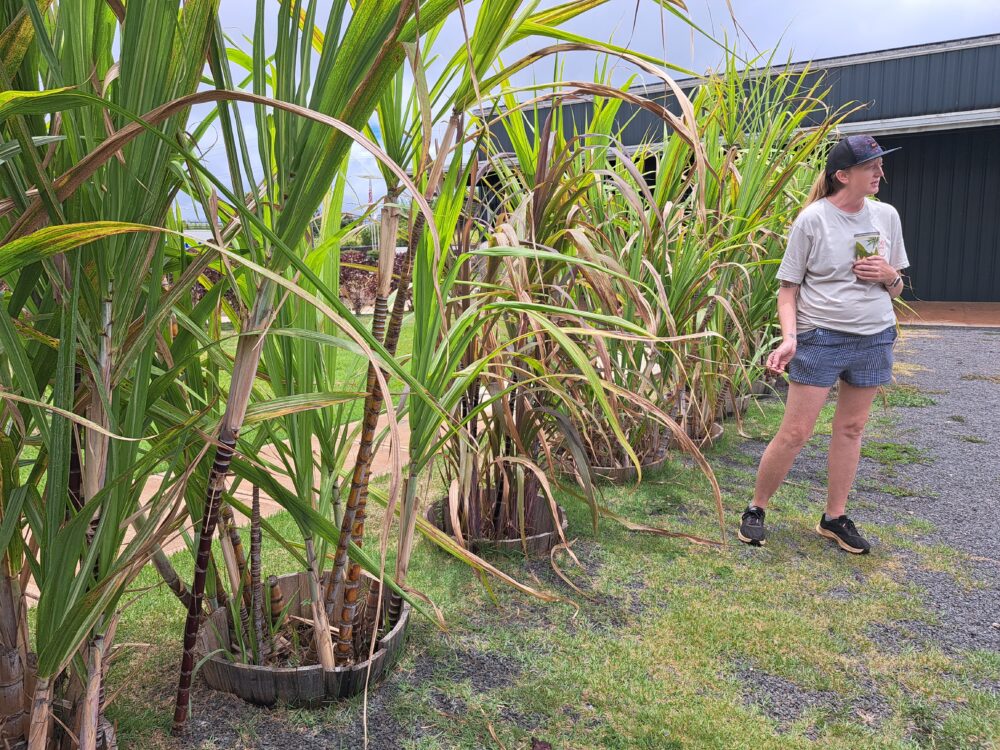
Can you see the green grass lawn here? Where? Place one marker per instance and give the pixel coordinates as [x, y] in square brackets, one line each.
[672, 645]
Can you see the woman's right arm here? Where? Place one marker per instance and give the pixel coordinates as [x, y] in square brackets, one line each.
[788, 295]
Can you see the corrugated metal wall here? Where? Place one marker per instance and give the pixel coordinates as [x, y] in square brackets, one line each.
[954, 81]
[946, 187]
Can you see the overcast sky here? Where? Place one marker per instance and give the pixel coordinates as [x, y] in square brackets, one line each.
[796, 29]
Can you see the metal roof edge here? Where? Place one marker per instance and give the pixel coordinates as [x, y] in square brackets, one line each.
[974, 118]
[825, 63]
[970, 42]
[856, 58]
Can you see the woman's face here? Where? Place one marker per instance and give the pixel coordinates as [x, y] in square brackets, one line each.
[864, 179]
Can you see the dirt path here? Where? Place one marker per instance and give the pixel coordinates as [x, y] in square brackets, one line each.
[381, 464]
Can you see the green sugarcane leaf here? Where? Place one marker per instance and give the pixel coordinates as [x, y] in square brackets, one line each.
[12, 148]
[294, 404]
[14, 103]
[54, 240]
[82, 421]
[11, 521]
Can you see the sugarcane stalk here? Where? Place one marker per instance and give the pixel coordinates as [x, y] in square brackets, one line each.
[239, 584]
[8, 606]
[75, 485]
[468, 462]
[321, 623]
[105, 731]
[221, 596]
[232, 546]
[277, 600]
[346, 576]
[261, 631]
[216, 486]
[341, 593]
[91, 706]
[244, 371]
[166, 570]
[407, 525]
[95, 442]
[350, 583]
[164, 567]
[365, 625]
[41, 715]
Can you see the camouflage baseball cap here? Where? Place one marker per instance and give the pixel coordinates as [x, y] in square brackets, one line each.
[854, 150]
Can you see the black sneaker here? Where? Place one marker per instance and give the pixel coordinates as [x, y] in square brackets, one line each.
[843, 531]
[752, 527]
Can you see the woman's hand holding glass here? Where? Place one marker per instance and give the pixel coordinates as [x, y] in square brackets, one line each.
[875, 269]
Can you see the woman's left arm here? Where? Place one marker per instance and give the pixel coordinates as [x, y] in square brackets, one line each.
[895, 287]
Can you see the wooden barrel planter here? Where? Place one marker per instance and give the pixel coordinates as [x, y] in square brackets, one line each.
[777, 388]
[13, 691]
[537, 544]
[734, 405]
[714, 433]
[307, 686]
[628, 474]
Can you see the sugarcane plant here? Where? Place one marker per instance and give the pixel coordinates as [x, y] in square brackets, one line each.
[269, 236]
[697, 226]
[406, 135]
[312, 131]
[514, 404]
[718, 235]
[89, 407]
[540, 307]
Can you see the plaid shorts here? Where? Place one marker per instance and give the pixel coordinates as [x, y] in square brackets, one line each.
[822, 355]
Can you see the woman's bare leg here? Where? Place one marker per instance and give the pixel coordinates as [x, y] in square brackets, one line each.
[853, 407]
[801, 410]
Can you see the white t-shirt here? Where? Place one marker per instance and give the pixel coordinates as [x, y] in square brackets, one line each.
[820, 256]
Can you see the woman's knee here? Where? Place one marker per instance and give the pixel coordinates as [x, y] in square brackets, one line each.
[850, 429]
[792, 437]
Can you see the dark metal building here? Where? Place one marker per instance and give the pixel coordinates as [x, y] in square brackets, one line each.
[941, 103]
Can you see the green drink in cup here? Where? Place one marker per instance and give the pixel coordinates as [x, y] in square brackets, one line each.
[866, 244]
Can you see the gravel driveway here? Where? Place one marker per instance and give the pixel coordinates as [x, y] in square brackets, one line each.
[955, 487]
[960, 480]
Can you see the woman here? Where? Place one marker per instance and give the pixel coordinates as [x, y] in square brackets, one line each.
[837, 321]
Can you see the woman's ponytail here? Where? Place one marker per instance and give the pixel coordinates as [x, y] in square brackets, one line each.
[825, 185]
